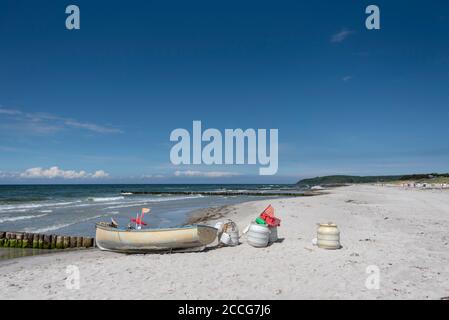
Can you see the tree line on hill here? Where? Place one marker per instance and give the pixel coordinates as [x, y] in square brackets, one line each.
[346, 179]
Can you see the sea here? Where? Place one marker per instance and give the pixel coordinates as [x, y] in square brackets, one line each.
[74, 209]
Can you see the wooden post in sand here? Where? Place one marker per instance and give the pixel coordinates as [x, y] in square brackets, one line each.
[79, 241]
[66, 242]
[53, 241]
[7, 239]
[30, 240]
[35, 241]
[87, 242]
[47, 241]
[2, 238]
[19, 239]
[72, 242]
[59, 242]
[12, 240]
[25, 241]
[41, 241]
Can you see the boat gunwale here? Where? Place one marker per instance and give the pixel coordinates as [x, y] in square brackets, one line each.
[107, 228]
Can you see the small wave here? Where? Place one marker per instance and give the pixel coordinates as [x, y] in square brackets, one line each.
[99, 216]
[134, 204]
[46, 229]
[21, 199]
[144, 202]
[126, 193]
[24, 207]
[106, 199]
[64, 225]
[46, 211]
[10, 219]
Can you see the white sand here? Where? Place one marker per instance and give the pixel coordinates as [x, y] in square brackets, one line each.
[403, 232]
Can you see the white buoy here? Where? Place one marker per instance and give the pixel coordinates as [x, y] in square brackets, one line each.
[328, 236]
[258, 235]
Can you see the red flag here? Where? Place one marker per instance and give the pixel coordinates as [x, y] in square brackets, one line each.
[269, 211]
[268, 216]
[138, 221]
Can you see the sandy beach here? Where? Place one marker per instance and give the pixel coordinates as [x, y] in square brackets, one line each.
[402, 232]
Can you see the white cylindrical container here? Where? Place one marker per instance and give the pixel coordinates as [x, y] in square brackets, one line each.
[328, 236]
[258, 235]
[273, 234]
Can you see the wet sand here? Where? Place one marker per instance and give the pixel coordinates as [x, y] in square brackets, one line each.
[209, 214]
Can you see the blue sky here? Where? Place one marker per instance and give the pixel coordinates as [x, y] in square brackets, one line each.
[99, 103]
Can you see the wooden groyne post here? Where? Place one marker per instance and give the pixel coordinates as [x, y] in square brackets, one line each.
[222, 193]
[43, 241]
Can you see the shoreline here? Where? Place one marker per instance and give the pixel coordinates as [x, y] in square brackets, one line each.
[401, 232]
[208, 214]
[212, 214]
[221, 193]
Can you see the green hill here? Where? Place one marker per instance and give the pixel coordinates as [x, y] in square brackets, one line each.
[342, 179]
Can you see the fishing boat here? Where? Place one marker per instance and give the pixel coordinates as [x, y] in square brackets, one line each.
[188, 238]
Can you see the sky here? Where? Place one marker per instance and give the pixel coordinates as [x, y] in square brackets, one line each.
[98, 104]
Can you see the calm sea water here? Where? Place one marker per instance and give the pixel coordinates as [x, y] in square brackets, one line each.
[74, 209]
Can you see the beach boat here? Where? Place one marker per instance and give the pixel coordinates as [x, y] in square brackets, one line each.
[188, 238]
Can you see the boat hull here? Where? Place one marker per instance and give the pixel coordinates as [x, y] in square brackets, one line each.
[137, 241]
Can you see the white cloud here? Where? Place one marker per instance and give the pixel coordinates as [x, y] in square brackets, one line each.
[347, 78]
[48, 123]
[100, 174]
[91, 127]
[9, 112]
[55, 172]
[341, 36]
[151, 176]
[207, 174]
